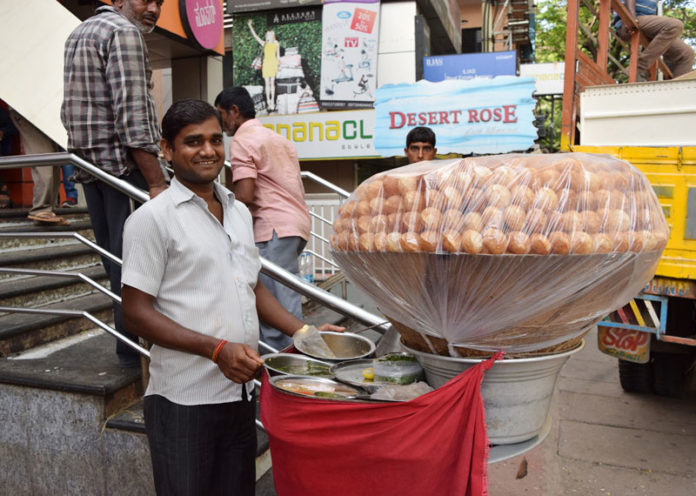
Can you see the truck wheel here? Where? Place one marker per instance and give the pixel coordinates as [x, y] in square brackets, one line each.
[669, 371]
[635, 377]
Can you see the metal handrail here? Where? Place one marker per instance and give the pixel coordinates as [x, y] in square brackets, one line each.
[68, 275]
[62, 158]
[328, 185]
[269, 268]
[80, 313]
[77, 236]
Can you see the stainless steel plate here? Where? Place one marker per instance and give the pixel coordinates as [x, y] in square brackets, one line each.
[296, 364]
[316, 388]
[351, 372]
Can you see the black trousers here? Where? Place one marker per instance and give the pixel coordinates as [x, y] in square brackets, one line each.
[203, 449]
[108, 211]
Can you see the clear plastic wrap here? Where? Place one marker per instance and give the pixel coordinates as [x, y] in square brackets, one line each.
[513, 252]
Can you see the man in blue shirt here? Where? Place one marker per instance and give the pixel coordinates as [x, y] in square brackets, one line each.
[663, 35]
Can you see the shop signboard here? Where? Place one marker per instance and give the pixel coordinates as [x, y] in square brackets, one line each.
[469, 65]
[468, 116]
[349, 53]
[277, 57]
[548, 77]
[327, 135]
[240, 6]
[202, 21]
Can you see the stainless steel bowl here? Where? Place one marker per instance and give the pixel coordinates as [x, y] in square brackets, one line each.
[296, 364]
[345, 345]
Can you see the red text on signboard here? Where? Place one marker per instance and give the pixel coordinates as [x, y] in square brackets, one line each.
[505, 114]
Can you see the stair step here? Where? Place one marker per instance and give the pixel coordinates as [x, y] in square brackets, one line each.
[80, 225]
[88, 366]
[35, 291]
[21, 331]
[27, 255]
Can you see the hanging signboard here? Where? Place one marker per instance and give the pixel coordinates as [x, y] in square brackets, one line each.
[475, 116]
[202, 21]
[349, 53]
[239, 6]
[277, 57]
[548, 77]
[324, 135]
[469, 65]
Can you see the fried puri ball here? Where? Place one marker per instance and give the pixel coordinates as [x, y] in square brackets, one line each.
[472, 242]
[498, 196]
[536, 221]
[602, 243]
[494, 241]
[522, 196]
[560, 243]
[428, 241]
[581, 243]
[380, 241]
[430, 218]
[546, 199]
[366, 242]
[539, 244]
[518, 243]
[394, 242]
[473, 221]
[410, 242]
[451, 241]
[514, 217]
[411, 222]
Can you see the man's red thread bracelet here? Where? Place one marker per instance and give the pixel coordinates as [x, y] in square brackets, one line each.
[221, 344]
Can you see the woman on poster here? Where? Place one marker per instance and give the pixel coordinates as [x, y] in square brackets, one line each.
[269, 69]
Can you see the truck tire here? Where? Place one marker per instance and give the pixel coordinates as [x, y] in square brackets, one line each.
[669, 373]
[635, 377]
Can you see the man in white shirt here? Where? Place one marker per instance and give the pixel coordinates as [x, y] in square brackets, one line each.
[190, 287]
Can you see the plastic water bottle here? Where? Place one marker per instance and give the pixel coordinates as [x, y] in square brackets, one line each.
[306, 270]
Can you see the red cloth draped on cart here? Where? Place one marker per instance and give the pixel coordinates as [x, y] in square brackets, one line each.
[435, 444]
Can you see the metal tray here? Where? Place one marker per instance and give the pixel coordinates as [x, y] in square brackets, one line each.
[350, 372]
[295, 364]
[320, 384]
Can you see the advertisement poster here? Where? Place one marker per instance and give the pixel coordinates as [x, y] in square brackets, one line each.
[349, 53]
[277, 57]
[548, 77]
[240, 6]
[326, 135]
[469, 65]
[475, 116]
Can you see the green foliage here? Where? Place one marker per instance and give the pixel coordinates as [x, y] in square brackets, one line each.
[551, 20]
[306, 36]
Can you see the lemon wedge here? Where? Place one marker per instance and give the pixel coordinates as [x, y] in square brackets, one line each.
[368, 373]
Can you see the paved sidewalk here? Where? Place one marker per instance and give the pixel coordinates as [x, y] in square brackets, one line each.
[605, 442]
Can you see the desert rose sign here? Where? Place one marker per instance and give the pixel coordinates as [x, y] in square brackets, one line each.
[202, 20]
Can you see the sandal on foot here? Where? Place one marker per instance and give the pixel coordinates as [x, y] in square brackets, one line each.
[48, 218]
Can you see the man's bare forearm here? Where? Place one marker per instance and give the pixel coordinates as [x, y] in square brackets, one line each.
[150, 168]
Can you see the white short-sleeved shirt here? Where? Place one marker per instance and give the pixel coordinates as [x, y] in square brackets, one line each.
[202, 275]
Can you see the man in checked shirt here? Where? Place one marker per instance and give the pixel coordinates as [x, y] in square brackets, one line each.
[111, 121]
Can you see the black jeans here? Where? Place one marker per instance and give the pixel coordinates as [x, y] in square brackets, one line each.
[108, 210]
[202, 449]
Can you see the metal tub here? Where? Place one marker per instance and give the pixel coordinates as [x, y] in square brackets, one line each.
[516, 392]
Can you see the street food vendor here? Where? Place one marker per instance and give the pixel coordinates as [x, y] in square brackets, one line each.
[190, 287]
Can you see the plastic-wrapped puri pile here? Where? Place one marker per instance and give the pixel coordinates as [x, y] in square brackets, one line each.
[506, 252]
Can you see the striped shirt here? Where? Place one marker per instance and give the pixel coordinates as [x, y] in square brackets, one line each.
[202, 275]
[107, 107]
